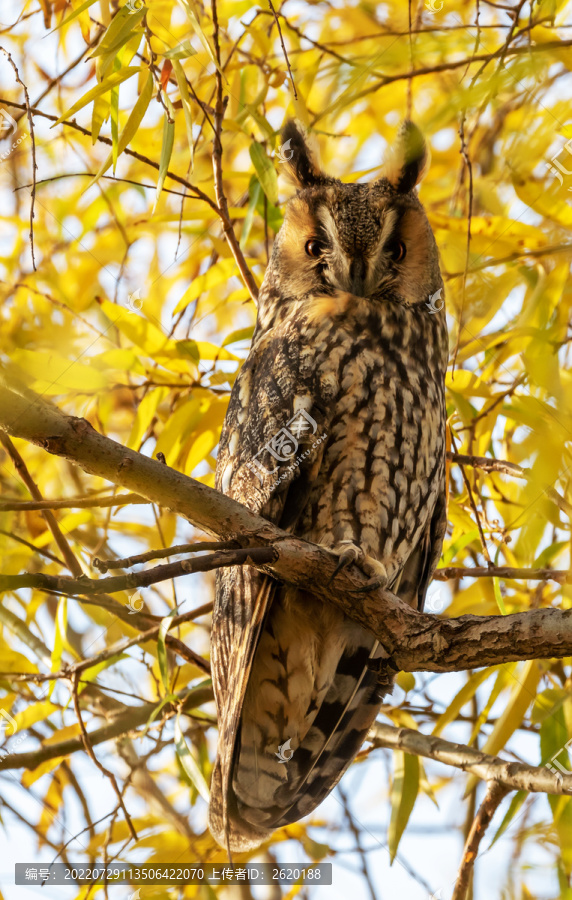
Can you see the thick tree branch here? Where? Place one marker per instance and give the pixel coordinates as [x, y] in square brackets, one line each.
[414, 641]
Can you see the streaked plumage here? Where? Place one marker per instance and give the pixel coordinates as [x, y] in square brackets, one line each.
[348, 362]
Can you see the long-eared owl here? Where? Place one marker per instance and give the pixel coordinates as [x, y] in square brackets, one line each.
[335, 431]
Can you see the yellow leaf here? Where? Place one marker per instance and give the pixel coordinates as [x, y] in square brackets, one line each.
[12, 661]
[29, 777]
[51, 373]
[463, 696]
[102, 88]
[221, 271]
[523, 694]
[131, 128]
[36, 712]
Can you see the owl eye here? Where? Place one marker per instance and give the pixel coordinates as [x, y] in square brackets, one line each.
[314, 248]
[397, 251]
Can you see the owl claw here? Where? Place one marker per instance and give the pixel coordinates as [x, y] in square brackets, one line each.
[379, 581]
[350, 553]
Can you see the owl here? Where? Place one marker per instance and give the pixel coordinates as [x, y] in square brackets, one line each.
[335, 432]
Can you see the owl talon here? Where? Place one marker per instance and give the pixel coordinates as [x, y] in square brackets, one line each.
[348, 554]
[378, 581]
[351, 553]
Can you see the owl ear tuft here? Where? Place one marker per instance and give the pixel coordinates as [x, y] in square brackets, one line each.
[298, 154]
[407, 160]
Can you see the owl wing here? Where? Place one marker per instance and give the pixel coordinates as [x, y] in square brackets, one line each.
[277, 397]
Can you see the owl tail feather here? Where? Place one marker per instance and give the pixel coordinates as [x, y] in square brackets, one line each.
[235, 834]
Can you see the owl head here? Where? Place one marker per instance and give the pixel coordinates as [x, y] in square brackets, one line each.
[371, 240]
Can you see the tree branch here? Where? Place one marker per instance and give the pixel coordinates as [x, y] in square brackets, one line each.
[220, 106]
[73, 587]
[114, 650]
[103, 565]
[494, 796]
[90, 752]
[414, 641]
[71, 503]
[511, 775]
[563, 576]
[133, 718]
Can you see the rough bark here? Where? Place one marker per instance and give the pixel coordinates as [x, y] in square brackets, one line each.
[415, 641]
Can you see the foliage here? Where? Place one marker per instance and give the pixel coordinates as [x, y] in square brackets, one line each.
[129, 309]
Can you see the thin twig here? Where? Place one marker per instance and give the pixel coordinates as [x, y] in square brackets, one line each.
[114, 650]
[274, 13]
[562, 576]
[488, 464]
[94, 759]
[72, 503]
[134, 717]
[40, 550]
[357, 838]
[222, 208]
[102, 565]
[469, 166]
[22, 470]
[198, 194]
[486, 553]
[72, 587]
[33, 140]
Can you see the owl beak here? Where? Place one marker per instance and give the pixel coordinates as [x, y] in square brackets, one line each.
[357, 276]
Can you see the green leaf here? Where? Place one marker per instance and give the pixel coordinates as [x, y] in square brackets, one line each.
[98, 90]
[60, 623]
[554, 753]
[514, 807]
[170, 698]
[403, 796]
[131, 127]
[166, 150]
[254, 191]
[496, 586]
[162, 649]
[181, 51]
[187, 109]
[91, 673]
[523, 693]
[243, 334]
[189, 763]
[119, 31]
[266, 172]
[464, 695]
[114, 110]
[498, 595]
